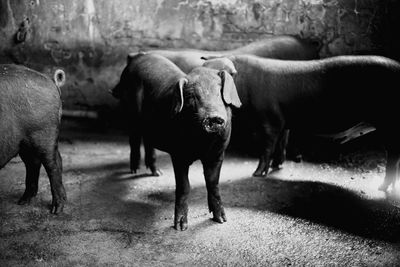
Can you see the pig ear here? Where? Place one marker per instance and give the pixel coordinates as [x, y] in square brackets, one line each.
[229, 92]
[133, 55]
[208, 57]
[129, 58]
[178, 96]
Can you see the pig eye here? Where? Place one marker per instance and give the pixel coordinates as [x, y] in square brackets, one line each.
[190, 98]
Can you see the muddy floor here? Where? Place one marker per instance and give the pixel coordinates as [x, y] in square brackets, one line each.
[305, 214]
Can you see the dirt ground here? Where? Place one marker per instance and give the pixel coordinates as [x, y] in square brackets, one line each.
[305, 214]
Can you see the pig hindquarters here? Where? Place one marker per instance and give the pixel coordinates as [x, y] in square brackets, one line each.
[323, 97]
[30, 113]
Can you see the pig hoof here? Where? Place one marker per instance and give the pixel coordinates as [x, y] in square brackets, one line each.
[276, 167]
[26, 198]
[156, 172]
[298, 158]
[219, 216]
[181, 223]
[24, 201]
[221, 219]
[258, 174]
[57, 208]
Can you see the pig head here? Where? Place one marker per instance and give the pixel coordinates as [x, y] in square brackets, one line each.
[204, 96]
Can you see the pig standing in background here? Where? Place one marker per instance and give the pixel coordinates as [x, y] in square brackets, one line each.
[30, 114]
[186, 115]
[323, 97]
[279, 47]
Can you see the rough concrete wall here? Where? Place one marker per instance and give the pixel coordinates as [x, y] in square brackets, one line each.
[90, 39]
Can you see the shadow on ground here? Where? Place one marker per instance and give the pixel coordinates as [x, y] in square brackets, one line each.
[317, 202]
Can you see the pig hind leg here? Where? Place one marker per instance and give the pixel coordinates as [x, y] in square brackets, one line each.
[8, 151]
[135, 129]
[135, 139]
[269, 137]
[294, 146]
[32, 166]
[392, 167]
[53, 164]
[150, 158]
[279, 155]
[45, 143]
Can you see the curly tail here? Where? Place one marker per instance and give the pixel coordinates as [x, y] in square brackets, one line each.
[59, 77]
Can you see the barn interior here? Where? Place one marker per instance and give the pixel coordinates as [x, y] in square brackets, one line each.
[325, 210]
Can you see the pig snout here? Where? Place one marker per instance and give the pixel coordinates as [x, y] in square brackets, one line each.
[213, 124]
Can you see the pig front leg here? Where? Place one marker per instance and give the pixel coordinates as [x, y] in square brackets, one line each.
[293, 146]
[212, 170]
[182, 190]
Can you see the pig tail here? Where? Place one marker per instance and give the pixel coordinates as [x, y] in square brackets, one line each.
[59, 78]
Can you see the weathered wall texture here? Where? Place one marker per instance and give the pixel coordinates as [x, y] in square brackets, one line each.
[90, 39]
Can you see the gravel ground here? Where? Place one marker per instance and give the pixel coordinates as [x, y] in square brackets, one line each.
[309, 213]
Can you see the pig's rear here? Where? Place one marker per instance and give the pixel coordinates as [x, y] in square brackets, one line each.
[30, 112]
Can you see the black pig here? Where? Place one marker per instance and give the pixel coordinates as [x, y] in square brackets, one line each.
[279, 47]
[30, 113]
[188, 116]
[325, 97]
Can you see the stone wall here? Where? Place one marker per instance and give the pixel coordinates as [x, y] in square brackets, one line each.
[89, 39]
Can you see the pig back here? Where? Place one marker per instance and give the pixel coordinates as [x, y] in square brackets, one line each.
[186, 60]
[280, 47]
